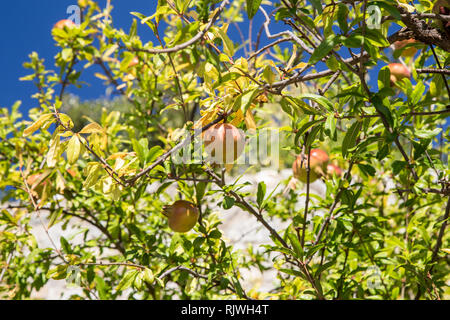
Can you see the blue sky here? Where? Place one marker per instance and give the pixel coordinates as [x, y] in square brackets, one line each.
[26, 27]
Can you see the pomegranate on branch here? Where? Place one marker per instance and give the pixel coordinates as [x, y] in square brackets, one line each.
[318, 166]
[183, 215]
[224, 143]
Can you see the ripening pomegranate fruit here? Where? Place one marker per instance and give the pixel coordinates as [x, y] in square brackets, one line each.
[408, 52]
[333, 169]
[61, 24]
[318, 166]
[398, 72]
[224, 143]
[182, 215]
[133, 62]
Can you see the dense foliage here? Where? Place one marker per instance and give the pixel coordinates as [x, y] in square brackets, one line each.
[323, 83]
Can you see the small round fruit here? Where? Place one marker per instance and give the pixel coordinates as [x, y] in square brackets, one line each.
[224, 143]
[61, 25]
[182, 215]
[65, 23]
[133, 62]
[408, 52]
[318, 165]
[333, 169]
[398, 72]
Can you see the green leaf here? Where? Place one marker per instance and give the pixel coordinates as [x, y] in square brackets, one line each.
[244, 100]
[261, 193]
[230, 76]
[350, 137]
[342, 15]
[427, 134]
[148, 276]
[127, 280]
[228, 46]
[294, 273]
[93, 172]
[368, 170]
[252, 7]
[317, 4]
[380, 107]
[293, 239]
[417, 94]
[66, 120]
[92, 128]
[324, 48]
[228, 202]
[154, 154]
[301, 105]
[393, 11]
[65, 246]
[330, 124]
[73, 149]
[384, 78]
[320, 100]
[133, 29]
[58, 273]
[304, 128]
[67, 54]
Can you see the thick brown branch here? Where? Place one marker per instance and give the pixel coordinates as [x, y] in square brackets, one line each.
[420, 30]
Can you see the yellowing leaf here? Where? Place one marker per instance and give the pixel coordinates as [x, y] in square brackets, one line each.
[207, 117]
[299, 66]
[101, 76]
[60, 182]
[121, 155]
[268, 75]
[52, 155]
[249, 120]
[110, 51]
[38, 124]
[66, 120]
[239, 117]
[73, 149]
[92, 128]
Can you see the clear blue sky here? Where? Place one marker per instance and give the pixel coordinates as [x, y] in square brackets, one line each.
[26, 27]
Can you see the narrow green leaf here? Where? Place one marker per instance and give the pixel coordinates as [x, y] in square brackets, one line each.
[320, 100]
[252, 7]
[324, 48]
[261, 193]
[350, 137]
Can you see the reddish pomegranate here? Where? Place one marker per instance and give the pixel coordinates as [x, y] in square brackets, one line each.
[133, 62]
[408, 52]
[224, 143]
[65, 23]
[182, 215]
[398, 72]
[318, 166]
[333, 169]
